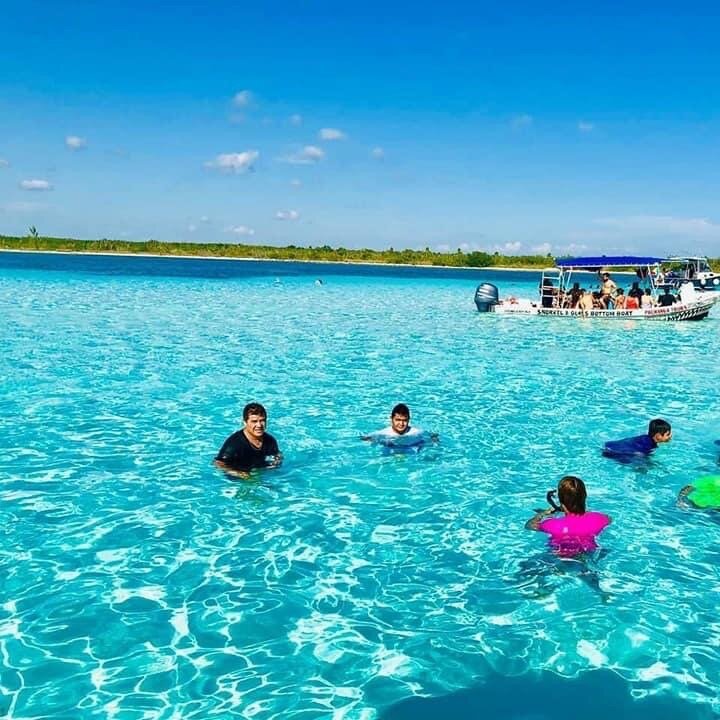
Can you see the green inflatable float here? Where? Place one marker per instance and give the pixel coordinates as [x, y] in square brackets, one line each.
[705, 492]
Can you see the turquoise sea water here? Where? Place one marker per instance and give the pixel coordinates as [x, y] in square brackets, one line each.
[136, 581]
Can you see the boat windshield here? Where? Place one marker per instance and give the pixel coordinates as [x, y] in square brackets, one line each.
[685, 268]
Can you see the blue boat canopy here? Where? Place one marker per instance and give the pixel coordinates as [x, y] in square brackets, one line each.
[592, 263]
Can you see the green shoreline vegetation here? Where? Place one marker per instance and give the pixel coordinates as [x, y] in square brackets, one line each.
[324, 253]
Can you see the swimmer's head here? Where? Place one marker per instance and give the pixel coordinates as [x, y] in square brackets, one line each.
[254, 408]
[659, 430]
[255, 419]
[572, 494]
[400, 418]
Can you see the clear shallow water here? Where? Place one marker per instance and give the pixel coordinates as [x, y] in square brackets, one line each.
[137, 581]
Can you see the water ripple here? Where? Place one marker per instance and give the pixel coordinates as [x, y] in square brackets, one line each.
[139, 582]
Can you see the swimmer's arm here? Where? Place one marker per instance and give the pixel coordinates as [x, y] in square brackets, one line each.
[370, 437]
[540, 515]
[241, 474]
[682, 500]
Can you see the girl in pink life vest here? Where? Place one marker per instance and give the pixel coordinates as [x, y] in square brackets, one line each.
[574, 532]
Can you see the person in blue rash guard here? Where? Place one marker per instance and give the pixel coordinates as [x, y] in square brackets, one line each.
[629, 449]
[400, 434]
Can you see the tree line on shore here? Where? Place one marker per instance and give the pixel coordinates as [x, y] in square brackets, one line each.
[268, 252]
[323, 253]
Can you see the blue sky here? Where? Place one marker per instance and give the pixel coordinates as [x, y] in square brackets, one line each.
[522, 128]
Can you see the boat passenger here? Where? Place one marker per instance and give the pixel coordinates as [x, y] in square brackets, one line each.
[607, 288]
[667, 298]
[576, 531]
[631, 303]
[399, 433]
[620, 299]
[636, 292]
[574, 295]
[586, 300]
[251, 447]
[647, 300]
[632, 448]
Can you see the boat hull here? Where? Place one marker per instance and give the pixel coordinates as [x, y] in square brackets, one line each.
[696, 310]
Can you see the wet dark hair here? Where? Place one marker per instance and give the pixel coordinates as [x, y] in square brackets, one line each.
[620, 291]
[572, 494]
[254, 409]
[658, 425]
[401, 409]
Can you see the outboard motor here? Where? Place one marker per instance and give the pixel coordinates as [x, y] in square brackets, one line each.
[486, 297]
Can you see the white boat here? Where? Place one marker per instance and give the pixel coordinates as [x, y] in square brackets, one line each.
[679, 269]
[560, 287]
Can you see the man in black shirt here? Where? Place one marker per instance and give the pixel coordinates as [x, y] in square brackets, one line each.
[250, 447]
[666, 299]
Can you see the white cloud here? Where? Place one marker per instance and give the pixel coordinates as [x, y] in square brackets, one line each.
[585, 127]
[296, 120]
[309, 155]
[462, 246]
[560, 250]
[73, 142]
[240, 230]
[331, 134]
[655, 225]
[204, 219]
[573, 249]
[295, 182]
[542, 249]
[243, 99]
[234, 162]
[287, 215]
[509, 247]
[522, 121]
[4, 163]
[378, 153]
[651, 234]
[35, 185]
[192, 228]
